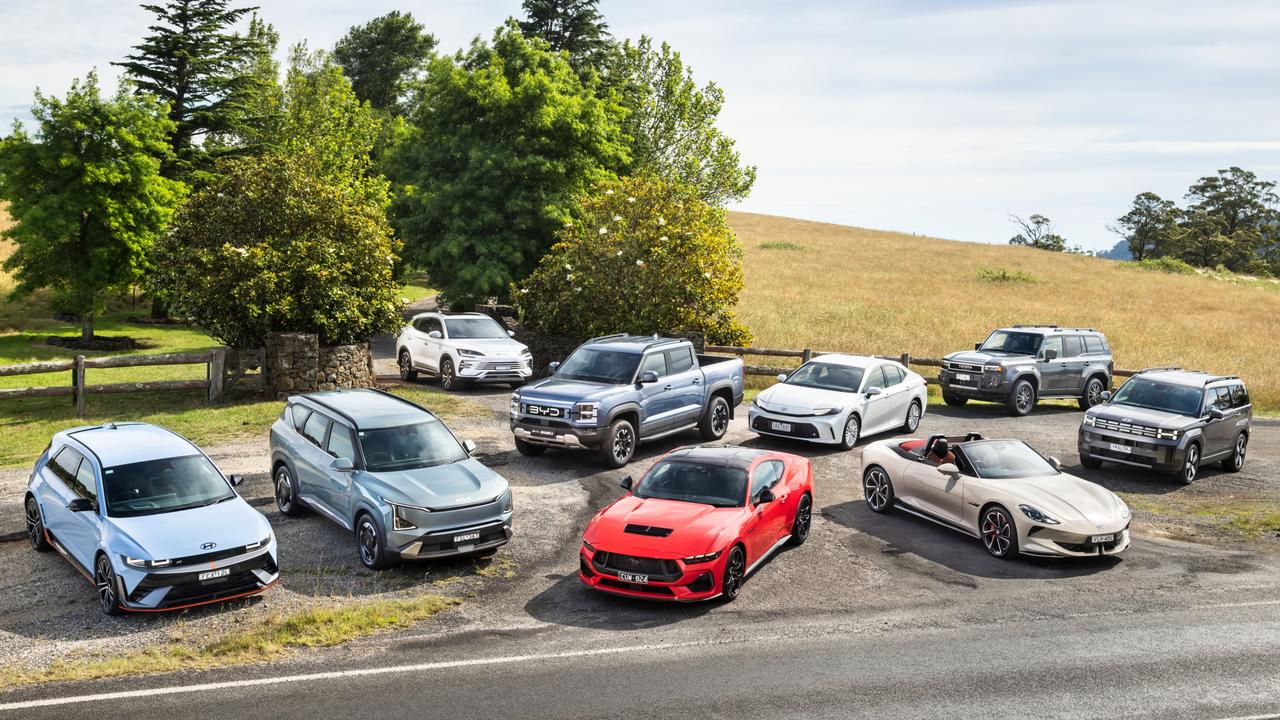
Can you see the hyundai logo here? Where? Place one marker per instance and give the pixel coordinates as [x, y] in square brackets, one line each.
[208, 546]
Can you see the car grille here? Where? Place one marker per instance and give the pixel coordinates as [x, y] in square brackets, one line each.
[187, 588]
[492, 366]
[1124, 427]
[962, 367]
[209, 557]
[798, 429]
[614, 563]
[1091, 547]
[544, 411]
[543, 422]
[490, 535]
[638, 588]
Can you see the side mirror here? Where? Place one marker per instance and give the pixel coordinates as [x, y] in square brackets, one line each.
[81, 505]
[949, 469]
[553, 366]
[236, 480]
[511, 333]
[1216, 414]
[977, 346]
[1055, 462]
[1050, 355]
[766, 496]
[625, 483]
[342, 465]
[648, 377]
[469, 446]
[874, 390]
[1106, 396]
[782, 377]
[435, 335]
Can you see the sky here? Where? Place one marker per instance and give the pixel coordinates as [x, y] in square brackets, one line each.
[938, 117]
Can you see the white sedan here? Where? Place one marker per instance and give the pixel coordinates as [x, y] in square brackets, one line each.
[1002, 491]
[461, 348]
[835, 399]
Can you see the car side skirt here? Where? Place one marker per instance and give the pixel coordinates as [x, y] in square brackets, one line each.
[926, 515]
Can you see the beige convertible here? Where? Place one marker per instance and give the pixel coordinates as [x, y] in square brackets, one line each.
[1001, 491]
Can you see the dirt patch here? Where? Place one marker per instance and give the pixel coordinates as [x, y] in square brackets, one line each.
[99, 343]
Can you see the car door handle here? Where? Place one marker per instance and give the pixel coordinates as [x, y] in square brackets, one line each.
[697, 381]
[666, 387]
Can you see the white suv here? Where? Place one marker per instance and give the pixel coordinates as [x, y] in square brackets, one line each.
[461, 348]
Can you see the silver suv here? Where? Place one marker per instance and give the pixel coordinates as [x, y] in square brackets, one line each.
[390, 472]
[1019, 365]
[1170, 420]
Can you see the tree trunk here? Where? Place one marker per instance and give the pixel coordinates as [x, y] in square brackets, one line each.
[86, 329]
[159, 309]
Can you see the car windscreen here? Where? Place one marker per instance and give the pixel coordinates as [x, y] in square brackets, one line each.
[474, 329]
[1006, 460]
[694, 482]
[165, 485]
[1152, 395]
[1021, 343]
[826, 376]
[602, 366]
[410, 447]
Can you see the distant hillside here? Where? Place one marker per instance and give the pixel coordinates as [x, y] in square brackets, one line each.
[1119, 251]
[832, 287]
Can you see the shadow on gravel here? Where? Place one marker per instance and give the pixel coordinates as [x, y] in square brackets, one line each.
[904, 534]
[987, 411]
[568, 602]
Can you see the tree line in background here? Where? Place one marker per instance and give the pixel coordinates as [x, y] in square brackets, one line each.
[248, 201]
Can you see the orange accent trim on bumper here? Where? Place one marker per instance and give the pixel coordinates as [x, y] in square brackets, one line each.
[203, 602]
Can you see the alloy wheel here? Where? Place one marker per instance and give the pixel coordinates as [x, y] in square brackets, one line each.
[284, 490]
[368, 542]
[1024, 399]
[876, 488]
[997, 532]
[35, 525]
[913, 417]
[446, 375]
[851, 430]
[720, 418]
[1094, 392]
[1242, 445]
[105, 580]
[1192, 464]
[804, 518]
[406, 365]
[624, 442]
[734, 568]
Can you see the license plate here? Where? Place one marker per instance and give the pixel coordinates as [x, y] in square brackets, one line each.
[543, 433]
[963, 377]
[466, 537]
[213, 574]
[780, 426]
[505, 367]
[1095, 539]
[1117, 447]
[637, 579]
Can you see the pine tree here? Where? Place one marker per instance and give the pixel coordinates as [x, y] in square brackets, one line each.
[572, 26]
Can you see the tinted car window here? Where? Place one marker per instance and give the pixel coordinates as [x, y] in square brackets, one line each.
[1152, 395]
[766, 474]
[603, 366]
[86, 484]
[342, 444]
[432, 325]
[421, 325]
[1022, 343]
[300, 415]
[157, 486]
[1093, 344]
[1053, 343]
[410, 447]
[65, 464]
[714, 485]
[1220, 398]
[1239, 395]
[680, 360]
[315, 428]
[826, 377]
[892, 375]
[1072, 346]
[875, 379]
[655, 363]
[475, 328]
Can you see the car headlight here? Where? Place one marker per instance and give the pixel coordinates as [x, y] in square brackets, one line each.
[510, 504]
[470, 353]
[1090, 420]
[255, 545]
[826, 411]
[399, 518]
[993, 368]
[143, 563]
[697, 559]
[586, 412]
[1124, 508]
[1036, 515]
[760, 404]
[588, 546]
[515, 403]
[1168, 434]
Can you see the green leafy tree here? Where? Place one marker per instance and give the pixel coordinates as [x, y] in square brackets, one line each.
[572, 26]
[194, 61]
[1231, 220]
[672, 123]
[640, 255]
[504, 136]
[1151, 227]
[86, 195]
[271, 246]
[383, 56]
[1037, 232]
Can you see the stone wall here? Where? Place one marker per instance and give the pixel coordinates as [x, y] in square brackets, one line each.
[296, 363]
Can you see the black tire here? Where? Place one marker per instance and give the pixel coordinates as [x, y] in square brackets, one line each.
[1022, 398]
[286, 491]
[735, 569]
[448, 378]
[529, 449]
[104, 579]
[1092, 394]
[1235, 462]
[370, 545]
[999, 534]
[914, 412]
[877, 489]
[802, 522]
[619, 444]
[35, 526]
[954, 400]
[715, 419]
[1190, 465]
[405, 361]
[1090, 462]
[852, 431]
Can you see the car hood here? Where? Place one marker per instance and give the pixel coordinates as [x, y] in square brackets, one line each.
[555, 390]
[799, 400]
[1141, 416]
[183, 533]
[500, 347]
[466, 482]
[976, 357]
[1079, 505]
[696, 529]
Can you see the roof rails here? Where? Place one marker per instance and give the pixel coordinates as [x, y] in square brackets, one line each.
[602, 338]
[1035, 325]
[1162, 368]
[653, 342]
[1057, 327]
[1220, 378]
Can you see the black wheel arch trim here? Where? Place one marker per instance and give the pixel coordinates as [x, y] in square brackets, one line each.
[630, 408]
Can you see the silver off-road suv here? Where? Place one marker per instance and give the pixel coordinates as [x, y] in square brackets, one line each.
[1170, 420]
[1019, 365]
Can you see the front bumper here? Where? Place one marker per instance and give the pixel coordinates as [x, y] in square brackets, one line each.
[979, 386]
[491, 369]
[556, 433]
[676, 582]
[826, 429]
[449, 542]
[1166, 456]
[161, 590]
[1047, 541]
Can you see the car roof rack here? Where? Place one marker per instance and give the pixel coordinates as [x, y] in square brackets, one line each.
[602, 338]
[1162, 368]
[1035, 325]
[654, 341]
[1220, 378]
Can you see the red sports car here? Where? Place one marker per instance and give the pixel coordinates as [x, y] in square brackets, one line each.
[698, 523]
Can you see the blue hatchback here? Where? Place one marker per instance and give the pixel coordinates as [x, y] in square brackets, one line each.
[148, 518]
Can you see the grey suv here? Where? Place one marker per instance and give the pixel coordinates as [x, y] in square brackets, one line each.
[1170, 420]
[1019, 365]
[391, 473]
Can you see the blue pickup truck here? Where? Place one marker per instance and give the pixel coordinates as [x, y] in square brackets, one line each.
[617, 390]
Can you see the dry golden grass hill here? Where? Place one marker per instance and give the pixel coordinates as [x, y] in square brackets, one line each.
[832, 287]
